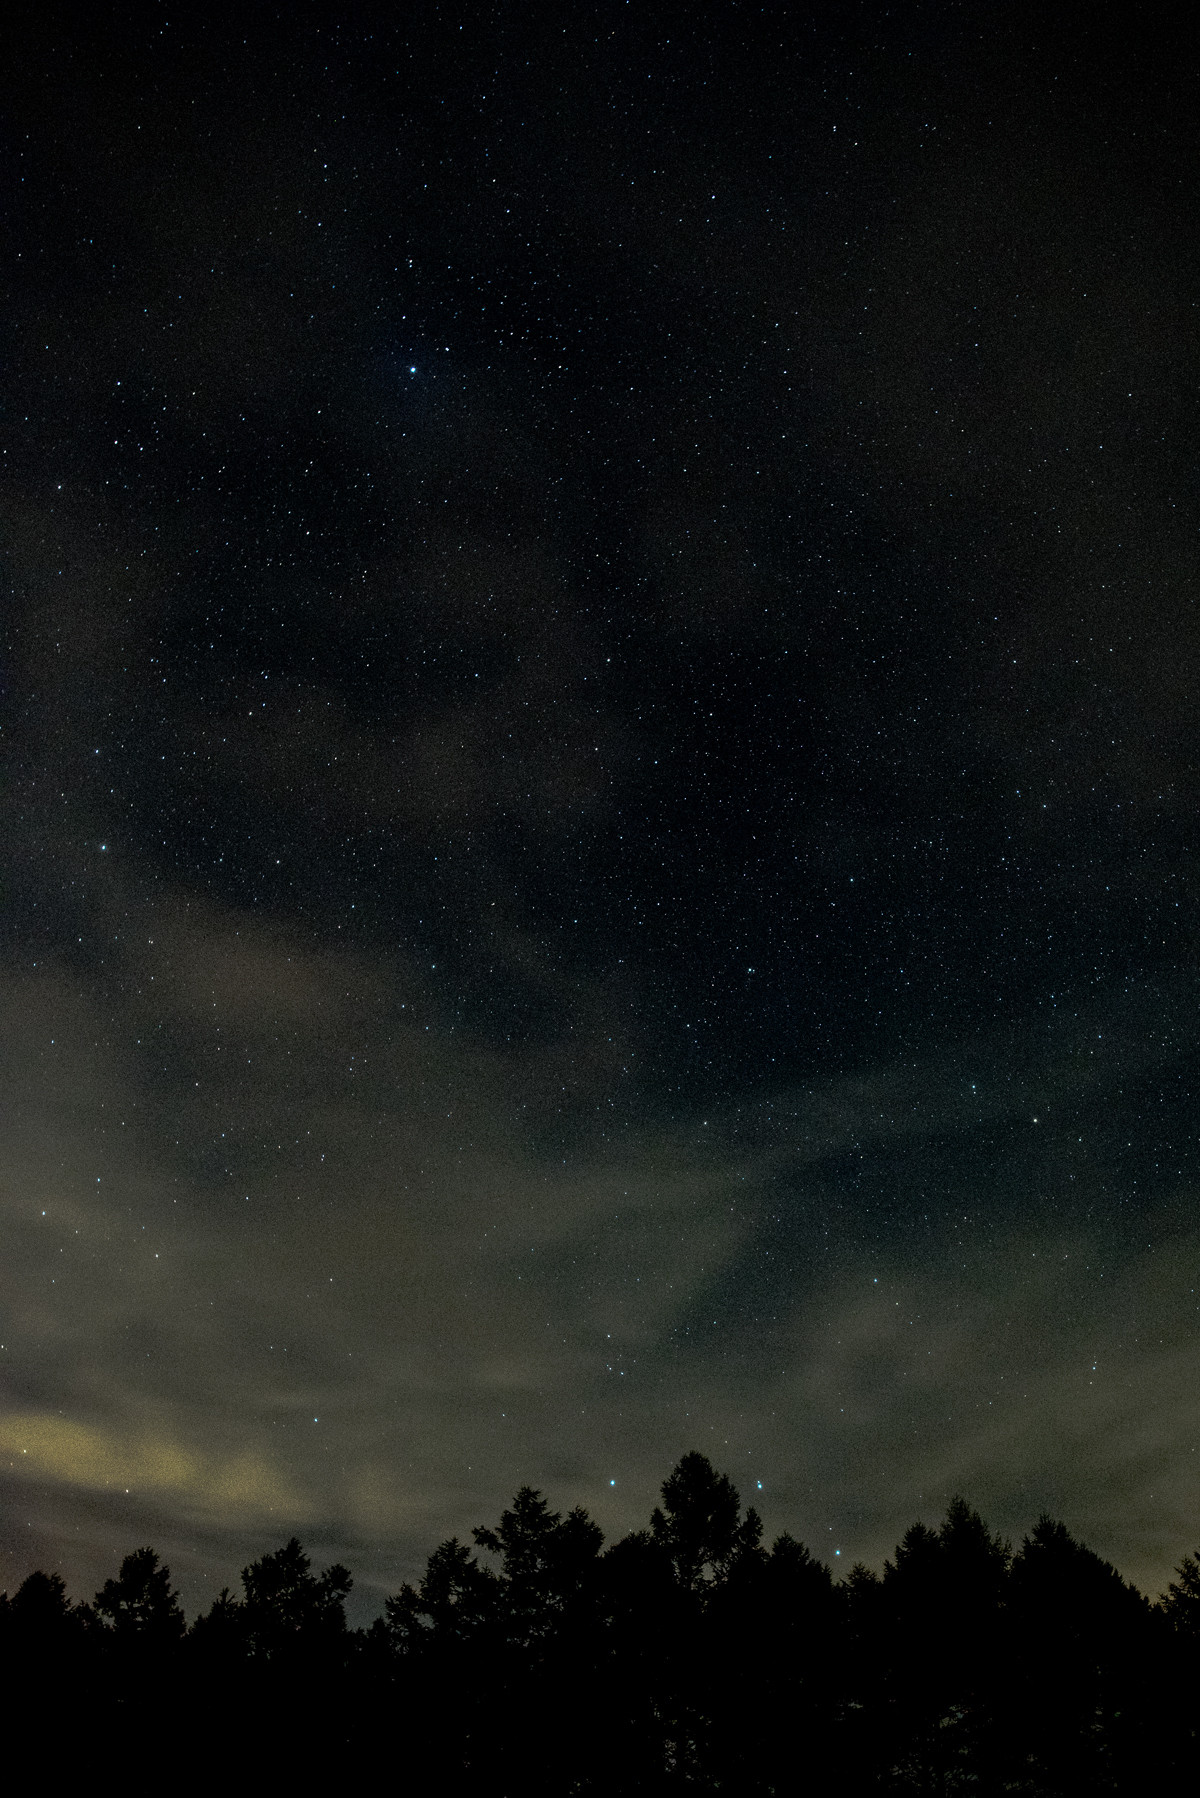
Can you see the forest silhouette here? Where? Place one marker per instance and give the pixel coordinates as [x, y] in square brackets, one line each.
[684, 1658]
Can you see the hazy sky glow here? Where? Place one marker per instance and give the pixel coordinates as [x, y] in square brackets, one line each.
[599, 710]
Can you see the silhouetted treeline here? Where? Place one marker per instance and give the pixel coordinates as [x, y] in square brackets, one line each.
[685, 1658]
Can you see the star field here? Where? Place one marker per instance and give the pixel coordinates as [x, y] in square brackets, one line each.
[601, 780]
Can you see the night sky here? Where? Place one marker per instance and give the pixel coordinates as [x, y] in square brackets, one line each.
[600, 667]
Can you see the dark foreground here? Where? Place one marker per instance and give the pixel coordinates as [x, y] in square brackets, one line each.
[685, 1658]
